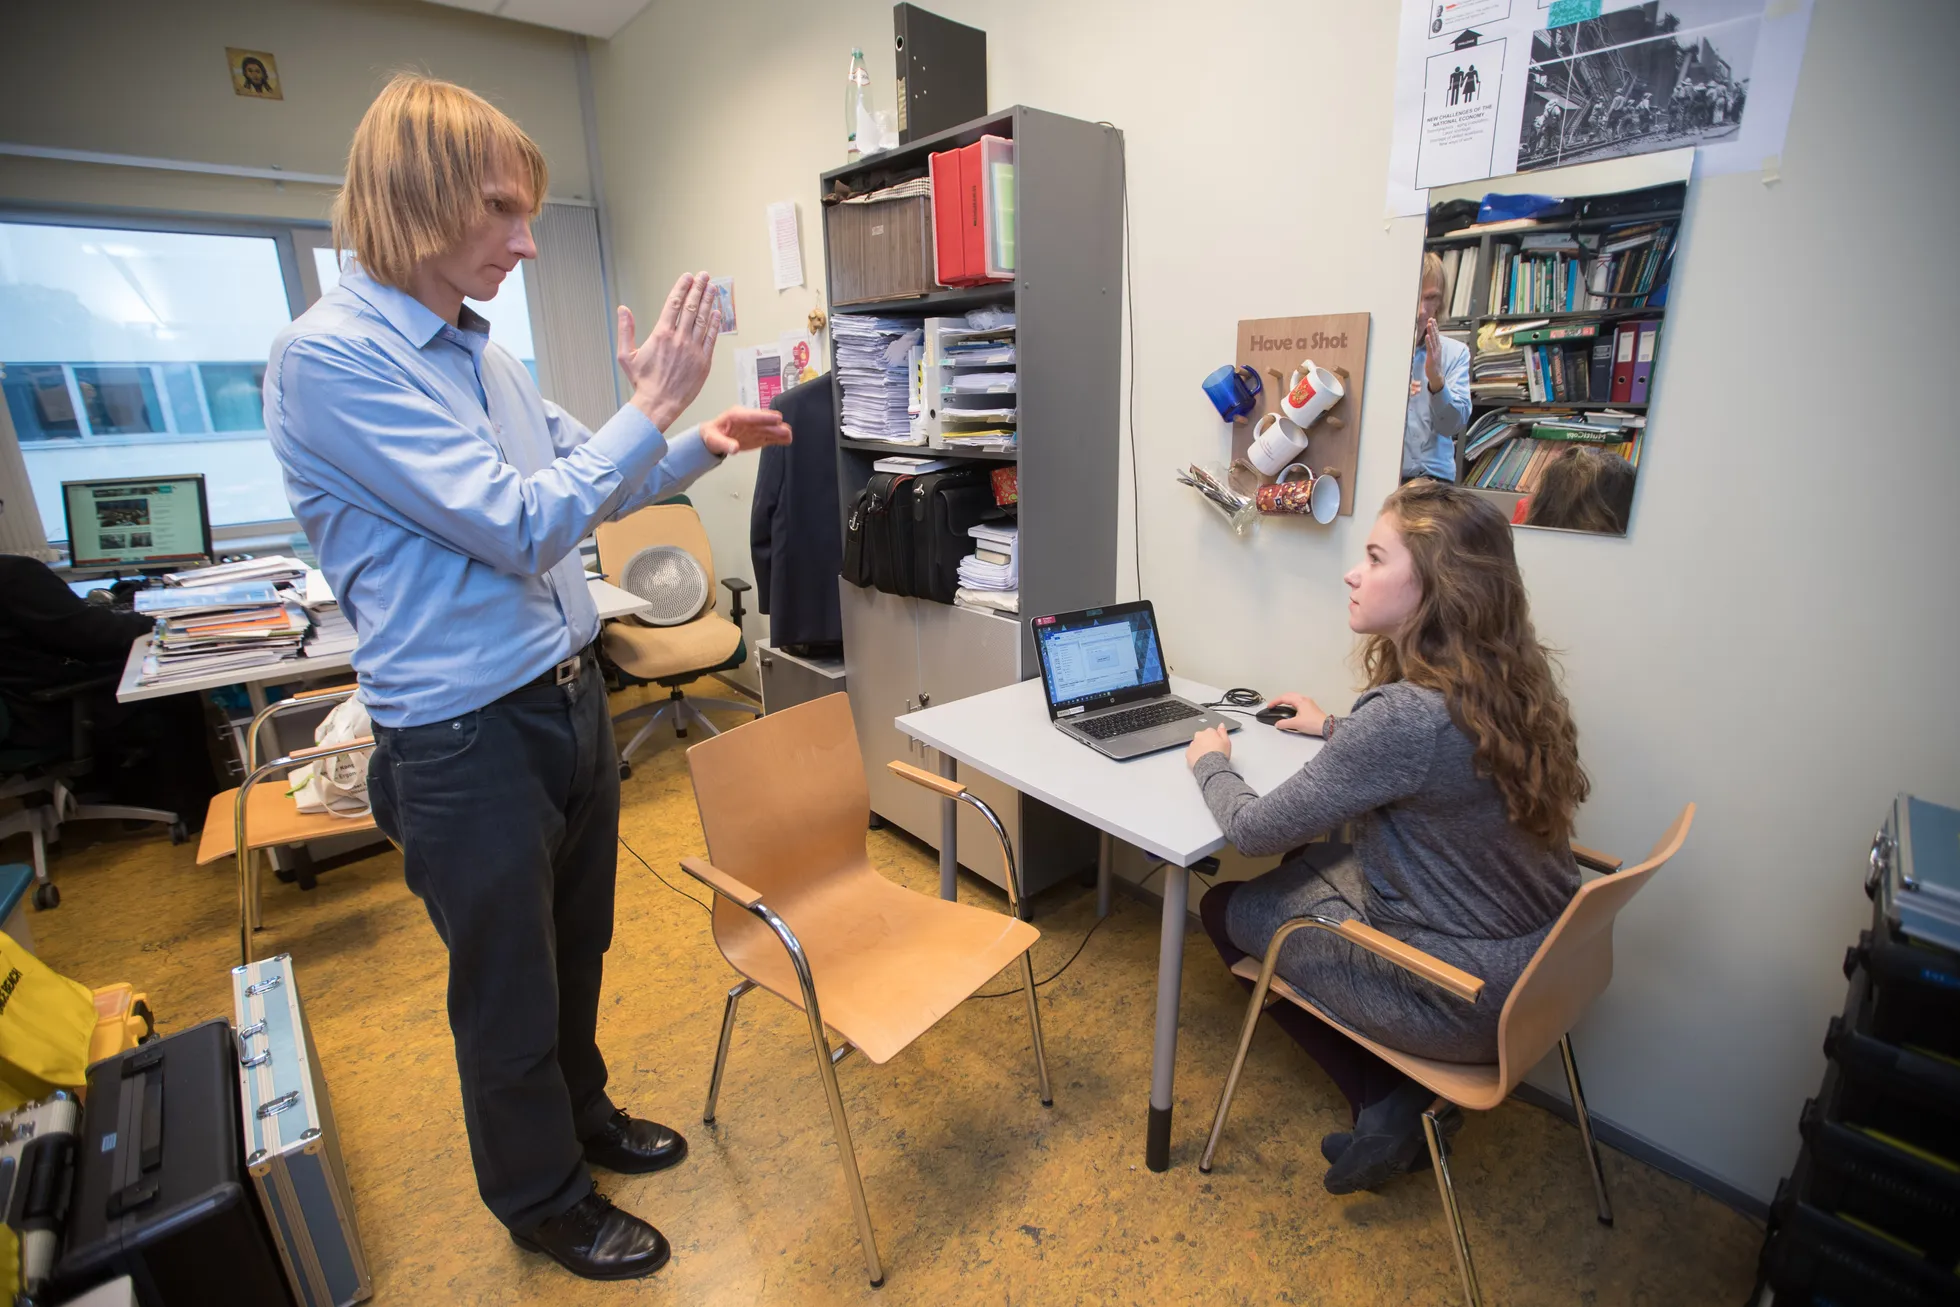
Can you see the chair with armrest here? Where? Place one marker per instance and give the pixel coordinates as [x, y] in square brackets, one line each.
[256, 816]
[671, 656]
[42, 776]
[801, 912]
[1570, 969]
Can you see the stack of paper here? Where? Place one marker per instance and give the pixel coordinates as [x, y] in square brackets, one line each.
[218, 628]
[990, 576]
[874, 371]
[276, 568]
[332, 633]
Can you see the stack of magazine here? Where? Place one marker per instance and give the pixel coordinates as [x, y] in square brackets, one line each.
[207, 629]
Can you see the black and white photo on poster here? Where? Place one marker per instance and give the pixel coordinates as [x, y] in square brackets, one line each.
[1652, 77]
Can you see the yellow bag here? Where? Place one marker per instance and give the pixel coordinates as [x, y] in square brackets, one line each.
[46, 1022]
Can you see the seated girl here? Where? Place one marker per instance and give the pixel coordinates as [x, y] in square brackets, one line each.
[1459, 769]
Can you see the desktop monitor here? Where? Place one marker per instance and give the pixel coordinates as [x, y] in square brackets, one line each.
[134, 523]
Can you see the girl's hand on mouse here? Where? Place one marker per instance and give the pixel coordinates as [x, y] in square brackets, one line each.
[1307, 717]
[1214, 740]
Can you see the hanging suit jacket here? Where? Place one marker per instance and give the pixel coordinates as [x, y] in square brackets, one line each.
[795, 542]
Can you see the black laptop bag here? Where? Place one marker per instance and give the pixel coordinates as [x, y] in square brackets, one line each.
[944, 506]
[869, 521]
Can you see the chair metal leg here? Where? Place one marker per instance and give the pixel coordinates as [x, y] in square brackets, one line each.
[853, 1182]
[721, 1049]
[690, 716]
[724, 705]
[1034, 1025]
[1432, 1131]
[1250, 1024]
[1584, 1118]
[653, 720]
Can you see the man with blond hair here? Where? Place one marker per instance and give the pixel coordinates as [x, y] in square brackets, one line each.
[1439, 385]
[446, 500]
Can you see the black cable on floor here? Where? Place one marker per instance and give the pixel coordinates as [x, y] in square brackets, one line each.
[1056, 975]
[705, 907]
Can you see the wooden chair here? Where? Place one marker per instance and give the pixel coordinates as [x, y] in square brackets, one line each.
[801, 912]
[671, 656]
[1570, 969]
[240, 822]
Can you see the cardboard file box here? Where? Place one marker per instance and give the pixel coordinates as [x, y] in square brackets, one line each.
[880, 250]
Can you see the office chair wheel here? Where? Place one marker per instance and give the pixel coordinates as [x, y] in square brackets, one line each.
[625, 770]
[47, 897]
[179, 832]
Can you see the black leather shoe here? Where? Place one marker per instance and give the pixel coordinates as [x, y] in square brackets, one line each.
[633, 1147]
[596, 1240]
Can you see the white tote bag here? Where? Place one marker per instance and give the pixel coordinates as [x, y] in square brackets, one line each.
[337, 785]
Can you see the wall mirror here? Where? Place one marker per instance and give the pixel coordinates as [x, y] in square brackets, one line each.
[1539, 323]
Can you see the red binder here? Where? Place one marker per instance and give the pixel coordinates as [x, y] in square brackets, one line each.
[1625, 336]
[1643, 362]
[973, 214]
[949, 238]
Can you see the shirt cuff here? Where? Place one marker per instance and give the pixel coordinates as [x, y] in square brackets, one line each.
[631, 442]
[688, 456]
[1209, 765]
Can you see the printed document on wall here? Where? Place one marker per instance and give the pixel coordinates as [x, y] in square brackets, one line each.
[1487, 88]
[785, 247]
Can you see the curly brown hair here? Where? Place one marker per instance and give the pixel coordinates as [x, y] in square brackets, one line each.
[1471, 638]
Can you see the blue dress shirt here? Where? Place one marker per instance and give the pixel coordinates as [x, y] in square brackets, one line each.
[446, 498]
[1436, 417]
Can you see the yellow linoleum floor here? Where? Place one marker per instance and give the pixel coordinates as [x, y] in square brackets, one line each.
[977, 1194]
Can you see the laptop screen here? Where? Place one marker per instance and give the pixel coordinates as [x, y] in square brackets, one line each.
[1100, 656]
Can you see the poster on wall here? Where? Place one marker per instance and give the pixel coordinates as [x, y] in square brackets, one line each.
[1486, 88]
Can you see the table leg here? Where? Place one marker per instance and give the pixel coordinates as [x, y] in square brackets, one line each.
[1170, 986]
[949, 834]
[1103, 872]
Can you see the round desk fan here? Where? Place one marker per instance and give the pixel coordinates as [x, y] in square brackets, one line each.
[669, 579]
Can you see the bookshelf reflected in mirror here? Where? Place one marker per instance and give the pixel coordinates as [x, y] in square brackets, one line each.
[1550, 309]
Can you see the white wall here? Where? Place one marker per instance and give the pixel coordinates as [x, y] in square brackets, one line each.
[1775, 638]
[130, 77]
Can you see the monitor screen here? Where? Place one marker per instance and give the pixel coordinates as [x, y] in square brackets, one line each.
[136, 523]
[1100, 653]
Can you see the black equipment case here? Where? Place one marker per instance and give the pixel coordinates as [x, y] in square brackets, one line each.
[161, 1194]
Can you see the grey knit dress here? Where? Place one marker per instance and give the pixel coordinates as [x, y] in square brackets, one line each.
[1436, 863]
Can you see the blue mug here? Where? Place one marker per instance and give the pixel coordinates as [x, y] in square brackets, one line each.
[1234, 391]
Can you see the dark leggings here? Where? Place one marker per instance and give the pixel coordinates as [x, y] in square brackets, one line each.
[1357, 1073]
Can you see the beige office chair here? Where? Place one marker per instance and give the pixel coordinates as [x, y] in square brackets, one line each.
[1570, 970]
[801, 911]
[670, 656]
[258, 815]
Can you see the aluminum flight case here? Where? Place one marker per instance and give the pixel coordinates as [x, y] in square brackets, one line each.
[1915, 871]
[292, 1149]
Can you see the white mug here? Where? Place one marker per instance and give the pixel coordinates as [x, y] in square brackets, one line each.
[1311, 391]
[1276, 441]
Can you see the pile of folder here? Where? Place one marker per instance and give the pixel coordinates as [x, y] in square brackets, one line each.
[973, 213]
[990, 576]
[978, 386]
[875, 369]
[205, 629]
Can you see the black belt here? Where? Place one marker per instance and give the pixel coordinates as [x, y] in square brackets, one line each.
[560, 673]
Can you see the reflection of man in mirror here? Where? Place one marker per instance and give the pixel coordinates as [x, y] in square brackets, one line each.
[256, 80]
[1439, 386]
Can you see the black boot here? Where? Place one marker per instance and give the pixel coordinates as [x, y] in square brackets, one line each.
[1388, 1139]
[634, 1147]
[596, 1240]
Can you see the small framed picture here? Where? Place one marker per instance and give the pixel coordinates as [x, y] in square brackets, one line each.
[254, 74]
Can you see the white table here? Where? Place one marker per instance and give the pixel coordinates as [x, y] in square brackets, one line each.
[610, 600]
[1149, 802]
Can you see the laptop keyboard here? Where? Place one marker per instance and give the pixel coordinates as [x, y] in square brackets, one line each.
[1137, 719]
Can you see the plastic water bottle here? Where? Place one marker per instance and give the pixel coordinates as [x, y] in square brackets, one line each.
[856, 109]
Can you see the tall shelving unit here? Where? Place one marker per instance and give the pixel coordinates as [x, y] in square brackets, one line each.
[903, 653]
[1661, 204]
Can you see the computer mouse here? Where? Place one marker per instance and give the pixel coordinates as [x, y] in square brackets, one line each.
[1275, 713]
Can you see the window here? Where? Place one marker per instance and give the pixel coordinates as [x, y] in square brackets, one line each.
[509, 315]
[133, 352]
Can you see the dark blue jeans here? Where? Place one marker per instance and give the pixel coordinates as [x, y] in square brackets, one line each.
[507, 818]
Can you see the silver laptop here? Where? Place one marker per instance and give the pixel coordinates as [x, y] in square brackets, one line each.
[1103, 672]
